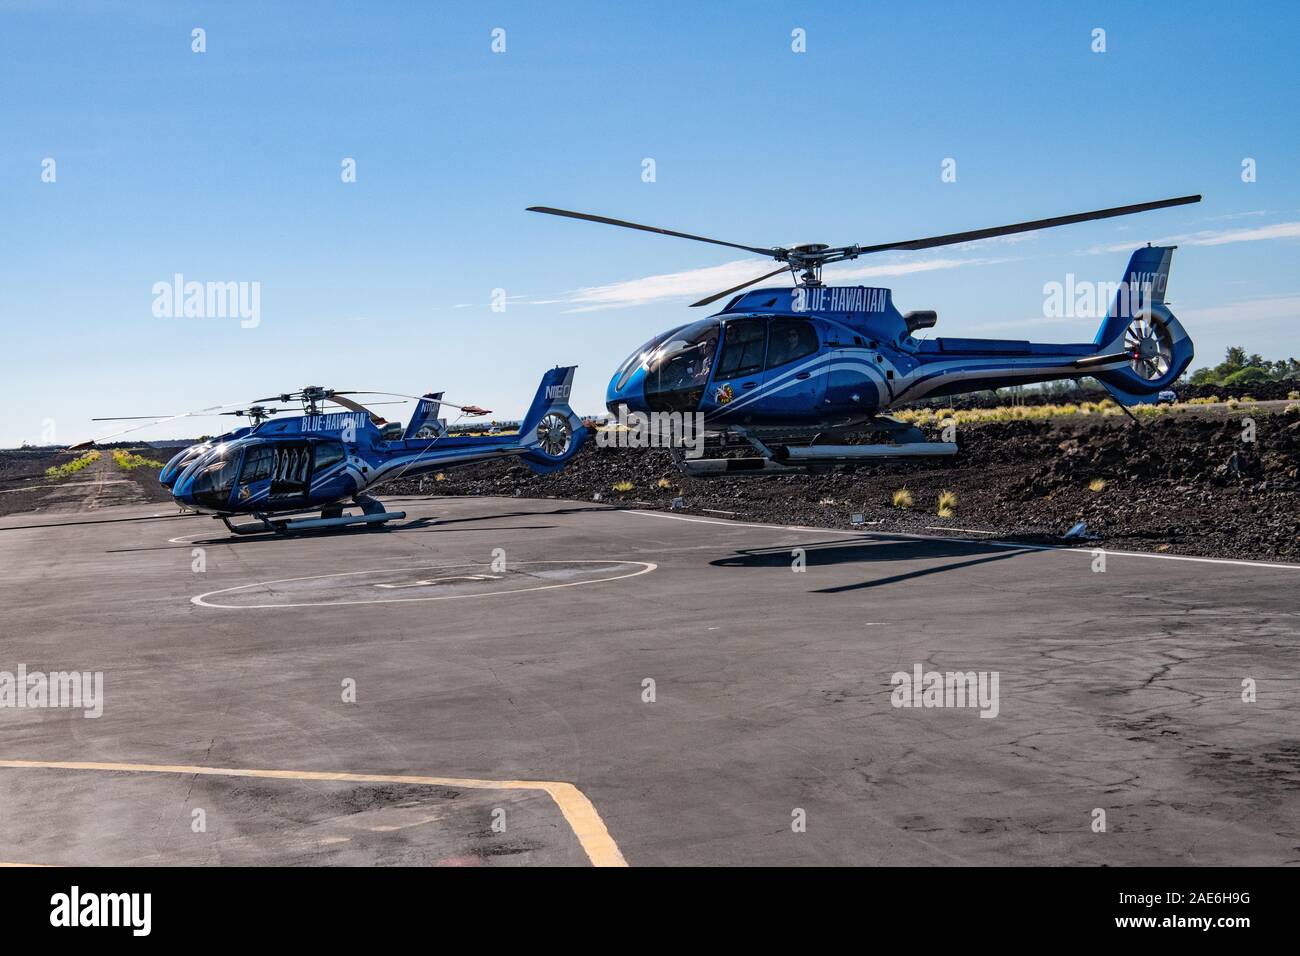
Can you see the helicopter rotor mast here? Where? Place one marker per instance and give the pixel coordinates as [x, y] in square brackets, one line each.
[805, 261]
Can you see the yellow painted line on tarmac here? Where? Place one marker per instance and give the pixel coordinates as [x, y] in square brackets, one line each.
[579, 812]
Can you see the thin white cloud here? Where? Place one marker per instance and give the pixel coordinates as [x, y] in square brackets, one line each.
[1236, 215]
[1215, 237]
[834, 274]
[1248, 310]
[1279, 230]
[672, 285]
[711, 279]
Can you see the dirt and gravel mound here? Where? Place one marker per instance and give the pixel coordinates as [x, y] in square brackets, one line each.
[1186, 485]
[25, 487]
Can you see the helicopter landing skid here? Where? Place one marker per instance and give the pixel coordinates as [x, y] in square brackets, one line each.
[372, 513]
[908, 441]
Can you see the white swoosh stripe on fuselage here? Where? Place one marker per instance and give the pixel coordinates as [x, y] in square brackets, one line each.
[786, 379]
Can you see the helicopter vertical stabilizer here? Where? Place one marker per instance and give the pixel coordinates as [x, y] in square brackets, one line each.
[551, 431]
[1141, 330]
[552, 395]
[426, 414]
[1145, 282]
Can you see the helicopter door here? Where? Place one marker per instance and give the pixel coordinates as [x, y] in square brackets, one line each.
[739, 370]
[794, 381]
[255, 476]
[329, 475]
[290, 473]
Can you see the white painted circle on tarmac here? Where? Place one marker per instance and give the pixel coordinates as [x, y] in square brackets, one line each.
[446, 582]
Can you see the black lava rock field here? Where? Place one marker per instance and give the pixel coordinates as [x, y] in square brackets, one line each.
[1177, 484]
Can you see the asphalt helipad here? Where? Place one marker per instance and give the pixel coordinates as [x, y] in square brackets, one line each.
[513, 681]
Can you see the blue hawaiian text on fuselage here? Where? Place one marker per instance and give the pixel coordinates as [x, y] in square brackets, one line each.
[838, 299]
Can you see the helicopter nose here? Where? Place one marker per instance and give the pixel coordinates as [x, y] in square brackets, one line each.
[181, 487]
[181, 494]
[631, 394]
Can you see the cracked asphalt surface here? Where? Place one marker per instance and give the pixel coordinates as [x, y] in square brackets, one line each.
[1119, 691]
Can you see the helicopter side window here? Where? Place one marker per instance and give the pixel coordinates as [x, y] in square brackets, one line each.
[258, 463]
[328, 455]
[743, 348]
[791, 340]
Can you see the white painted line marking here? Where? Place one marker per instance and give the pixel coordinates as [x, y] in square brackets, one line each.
[1086, 552]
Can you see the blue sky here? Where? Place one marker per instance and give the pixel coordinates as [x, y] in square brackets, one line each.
[225, 166]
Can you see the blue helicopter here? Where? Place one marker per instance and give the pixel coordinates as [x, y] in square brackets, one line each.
[279, 471]
[791, 372]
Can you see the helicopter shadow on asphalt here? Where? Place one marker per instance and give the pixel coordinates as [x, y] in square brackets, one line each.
[429, 523]
[873, 550]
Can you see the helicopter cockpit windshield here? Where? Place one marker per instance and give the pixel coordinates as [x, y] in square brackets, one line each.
[215, 476]
[179, 462]
[640, 356]
[679, 368]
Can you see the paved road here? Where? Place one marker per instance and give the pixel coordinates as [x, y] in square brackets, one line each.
[483, 692]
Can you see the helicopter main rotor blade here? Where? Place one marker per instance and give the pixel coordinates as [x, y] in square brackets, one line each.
[956, 237]
[467, 409]
[210, 412]
[636, 225]
[737, 288]
[347, 403]
[201, 412]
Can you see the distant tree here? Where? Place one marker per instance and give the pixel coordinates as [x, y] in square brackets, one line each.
[1247, 376]
[1238, 368]
[1285, 368]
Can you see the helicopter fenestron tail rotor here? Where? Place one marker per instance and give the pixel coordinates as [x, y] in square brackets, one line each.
[1151, 345]
[806, 261]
